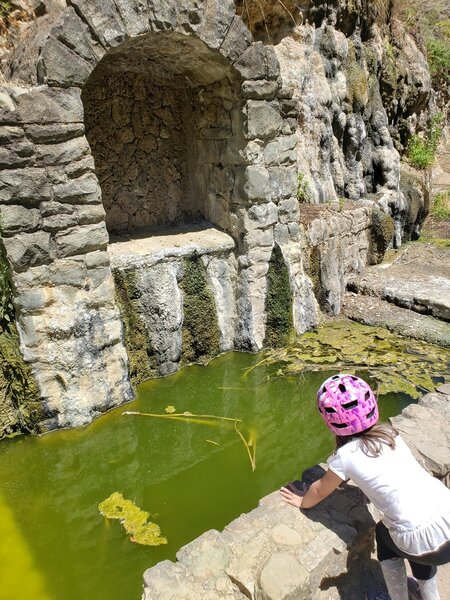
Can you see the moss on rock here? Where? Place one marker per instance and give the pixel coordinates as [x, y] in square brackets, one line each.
[357, 83]
[20, 405]
[201, 335]
[141, 357]
[382, 231]
[279, 323]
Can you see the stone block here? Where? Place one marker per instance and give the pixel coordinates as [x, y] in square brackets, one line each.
[263, 120]
[257, 184]
[75, 34]
[65, 152]
[262, 215]
[236, 41]
[8, 110]
[289, 210]
[283, 181]
[102, 17]
[260, 90]
[283, 578]
[16, 155]
[259, 238]
[84, 190]
[59, 65]
[15, 219]
[51, 208]
[71, 272]
[32, 300]
[58, 222]
[53, 132]
[28, 250]
[42, 104]
[80, 240]
[206, 557]
[258, 62]
[281, 151]
[11, 133]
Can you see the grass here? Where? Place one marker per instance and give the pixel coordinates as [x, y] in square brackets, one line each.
[421, 149]
[440, 208]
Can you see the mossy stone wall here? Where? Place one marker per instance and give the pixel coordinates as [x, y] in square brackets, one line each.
[201, 335]
[279, 323]
[20, 406]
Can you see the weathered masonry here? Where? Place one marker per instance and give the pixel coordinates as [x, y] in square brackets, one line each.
[119, 118]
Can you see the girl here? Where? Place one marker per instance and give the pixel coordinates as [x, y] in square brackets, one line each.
[415, 505]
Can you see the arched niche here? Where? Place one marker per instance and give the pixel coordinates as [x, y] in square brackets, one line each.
[162, 117]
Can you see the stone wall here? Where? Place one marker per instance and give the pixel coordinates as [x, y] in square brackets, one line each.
[277, 552]
[138, 134]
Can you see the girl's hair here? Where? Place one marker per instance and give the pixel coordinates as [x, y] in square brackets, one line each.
[372, 439]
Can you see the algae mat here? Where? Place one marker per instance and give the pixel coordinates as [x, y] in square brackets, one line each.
[189, 476]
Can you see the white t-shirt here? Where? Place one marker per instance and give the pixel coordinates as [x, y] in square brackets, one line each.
[415, 505]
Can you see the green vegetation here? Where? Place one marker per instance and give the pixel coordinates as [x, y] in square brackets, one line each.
[201, 335]
[141, 357]
[20, 407]
[421, 149]
[132, 519]
[303, 191]
[440, 208]
[428, 22]
[279, 323]
[396, 364]
[357, 84]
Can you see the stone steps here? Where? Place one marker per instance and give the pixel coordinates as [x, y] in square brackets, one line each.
[371, 310]
[409, 292]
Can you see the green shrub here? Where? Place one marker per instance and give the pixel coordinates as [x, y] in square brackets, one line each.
[303, 191]
[438, 51]
[440, 208]
[421, 149]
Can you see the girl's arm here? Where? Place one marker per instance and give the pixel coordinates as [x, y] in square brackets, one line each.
[319, 490]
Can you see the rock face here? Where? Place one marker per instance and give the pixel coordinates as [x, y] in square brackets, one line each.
[276, 552]
[119, 116]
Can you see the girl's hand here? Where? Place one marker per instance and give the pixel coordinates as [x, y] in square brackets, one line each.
[291, 497]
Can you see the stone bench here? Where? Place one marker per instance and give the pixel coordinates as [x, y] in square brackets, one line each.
[276, 552]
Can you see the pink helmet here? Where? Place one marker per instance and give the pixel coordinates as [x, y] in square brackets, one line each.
[347, 404]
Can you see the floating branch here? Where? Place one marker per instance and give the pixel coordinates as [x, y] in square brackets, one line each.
[186, 416]
[213, 442]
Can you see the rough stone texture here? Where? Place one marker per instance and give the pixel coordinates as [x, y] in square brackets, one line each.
[421, 425]
[276, 552]
[371, 310]
[416, 277]
[336, 242]
[337, 62]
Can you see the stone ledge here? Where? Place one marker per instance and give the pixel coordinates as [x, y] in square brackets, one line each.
[147, 249]
[276, 552]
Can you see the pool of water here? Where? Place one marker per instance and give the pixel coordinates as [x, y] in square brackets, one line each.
[191, 477]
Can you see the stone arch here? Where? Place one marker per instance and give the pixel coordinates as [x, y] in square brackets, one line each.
[159, 116]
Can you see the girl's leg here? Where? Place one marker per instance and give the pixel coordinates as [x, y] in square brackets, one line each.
[426, 579]
[392, 565]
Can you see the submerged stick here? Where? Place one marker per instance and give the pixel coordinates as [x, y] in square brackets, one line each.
[213, 442]
[186, 416]
[247, 447]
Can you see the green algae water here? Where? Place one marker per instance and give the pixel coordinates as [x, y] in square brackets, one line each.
[190, 477]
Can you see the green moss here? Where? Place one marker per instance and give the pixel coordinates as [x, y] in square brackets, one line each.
[201, 335]
[133, 520]
[279, 324]
[357, 84]
[313, 272]
[20, 406]
[395, 363]
[382, 230]
[141, 357]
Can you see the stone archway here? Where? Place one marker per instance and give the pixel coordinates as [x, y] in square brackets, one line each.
[153, 108]
[243, 178]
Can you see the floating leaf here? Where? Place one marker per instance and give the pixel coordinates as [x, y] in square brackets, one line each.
[170, 409]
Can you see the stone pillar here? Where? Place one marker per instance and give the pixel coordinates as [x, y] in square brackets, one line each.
[56, 244]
